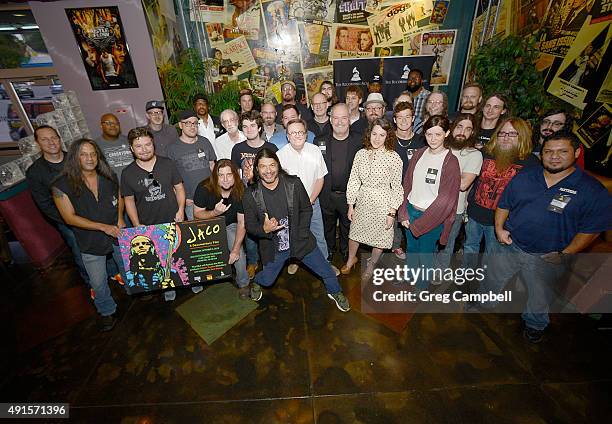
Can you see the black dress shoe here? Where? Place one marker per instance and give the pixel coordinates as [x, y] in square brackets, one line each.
[108, 323]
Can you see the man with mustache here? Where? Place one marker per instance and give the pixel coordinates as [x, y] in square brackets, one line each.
[495, 107]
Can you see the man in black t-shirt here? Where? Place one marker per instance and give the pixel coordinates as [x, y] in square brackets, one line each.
[221, 195]
[87, 197]
[494, 109]
[278, 211]
[338, 149]
[152, 188]
[40, 175]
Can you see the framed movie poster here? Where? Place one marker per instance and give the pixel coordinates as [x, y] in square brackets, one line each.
[104, 50]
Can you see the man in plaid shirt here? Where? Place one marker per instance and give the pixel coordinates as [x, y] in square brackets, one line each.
[419, 94]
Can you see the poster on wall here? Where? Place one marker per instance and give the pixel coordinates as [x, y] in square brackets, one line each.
[275, 66]
[440, 45]
[104, 50]
[314, 78]
[390, 24]
[215, 34]
[235, 58]
[389, 51]
[242, 18]
[585, 66]
[438, 14]
[281, 31]
[605, 93]
[163, 256]
[163, 29]
[352, 11]
[309, 10]
[207, 11]
[314, 44]
[561, 24]
[596, 128]
[351, 41]
[530, 16]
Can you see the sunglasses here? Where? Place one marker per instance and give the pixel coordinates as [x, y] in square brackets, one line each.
[152, 177]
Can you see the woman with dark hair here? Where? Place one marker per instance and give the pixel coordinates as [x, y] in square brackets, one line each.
[373, 194]
[87, 197]
[431, 190]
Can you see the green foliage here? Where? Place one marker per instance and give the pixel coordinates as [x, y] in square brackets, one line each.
[227, 98]
[12, 52]
[508, 66]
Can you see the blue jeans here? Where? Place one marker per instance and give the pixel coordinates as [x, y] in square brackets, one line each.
[68, 236]
[443, 258]
[252, 254]
[242, 277]
[420, 250]
[474, 232]
[317, 228]
[538, 275]
[98, 280]
[189, 212]
[314, 260]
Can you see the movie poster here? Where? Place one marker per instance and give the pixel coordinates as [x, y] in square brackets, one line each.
[596, 128]
[561, 25]
[314, 44]
[390, 24]
[207, 11]
[276, 66]
[215, 34]
[530, 15]
[440, 45]
[353, 11]
[605, 93]
[164, 31]
[164, 256]
[314, 78]
[585, 66]
[351, 41]
[438, 14]
[389, 51]
[242, 18]
[104, 49]
[281, 31]
[313, 10]
[235, 58]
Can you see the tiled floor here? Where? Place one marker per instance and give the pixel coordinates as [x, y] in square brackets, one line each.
[296, 359]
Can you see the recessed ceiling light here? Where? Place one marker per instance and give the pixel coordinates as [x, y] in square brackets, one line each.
[29, 27]
[9, 28]
[19, 15]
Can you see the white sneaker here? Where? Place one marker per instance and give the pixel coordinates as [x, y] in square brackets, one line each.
[292, 269]
[336, 270]
[197, 289]
[170, 295]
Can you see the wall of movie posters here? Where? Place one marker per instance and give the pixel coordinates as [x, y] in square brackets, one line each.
[300, 40]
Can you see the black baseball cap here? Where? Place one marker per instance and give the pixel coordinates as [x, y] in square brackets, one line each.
[154, 104]
[186, 114]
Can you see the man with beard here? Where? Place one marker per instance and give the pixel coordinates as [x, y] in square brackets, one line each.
[545, 214]
[152, 186]
[461, 143]
[338, 149]
[419, 94]
[436, 104]
[329, 91]
[319, 124]
[288, 91]
[163, 134]
[209, 126]
[495, 106]
[354, 96]
[471, 96]
[145, 270]
[270, 127]
[374, 107]
[246, 101]
[278, 211]
[224, 144]
[508, 152]
[114, 145]
[552, 121]
[288, 113]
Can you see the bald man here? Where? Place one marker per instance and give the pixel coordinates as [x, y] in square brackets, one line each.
[114, 145]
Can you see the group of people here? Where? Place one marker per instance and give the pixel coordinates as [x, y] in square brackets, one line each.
[297, 184]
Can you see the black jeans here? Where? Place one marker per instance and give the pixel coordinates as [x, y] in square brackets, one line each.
[333, 208]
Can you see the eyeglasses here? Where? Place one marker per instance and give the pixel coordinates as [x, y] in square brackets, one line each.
[511, 134]
[553, 124]
[189, 123]
[297, 133]
[372, 108]
[435, 102]
[109, 123]
[155, 183]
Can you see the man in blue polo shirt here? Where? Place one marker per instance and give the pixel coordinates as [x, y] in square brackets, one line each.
[545, 214]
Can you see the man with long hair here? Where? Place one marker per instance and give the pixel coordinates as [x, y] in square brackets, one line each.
[221, 195]
[493, 111]
[87, 197]
[278, 211]
[507, 153]
[461, 142]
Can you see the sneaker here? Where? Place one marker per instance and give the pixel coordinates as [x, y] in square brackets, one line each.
[533, 335]
[251, 268]
[399, 253]
[244, 293]
[197, 289]
[118, 278]
[336, 270]
[292, 269]
[255, 292]
[170, 295]
[342, 302]
[108, 323]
